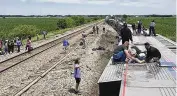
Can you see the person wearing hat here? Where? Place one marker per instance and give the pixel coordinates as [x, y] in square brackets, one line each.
[153, 54]
[151, 28]
[126, 34]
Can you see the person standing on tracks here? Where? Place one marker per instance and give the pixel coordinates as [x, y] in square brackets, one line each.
[6, 45]
[28, 44]
[134, 29]
[152, 29]
[153, 54]
[77, 74]
[65, 45]
[18, 42]
[126, 34]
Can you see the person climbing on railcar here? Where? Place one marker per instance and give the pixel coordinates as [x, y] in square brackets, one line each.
[153, 54]
[121, 54]
[126, 34]
[77, 75]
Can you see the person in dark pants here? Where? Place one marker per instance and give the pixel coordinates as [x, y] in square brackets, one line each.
[153, 54]
[77, 74]
[97, 29]
[139, 27]
[104, 29]
[152, 29]
[134, 29]
[12, 46]
[18, 42]
[126, 34]
[94, 29]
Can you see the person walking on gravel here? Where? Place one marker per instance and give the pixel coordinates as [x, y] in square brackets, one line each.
[77, 75]
[83, 40]
[94, 29]
[65, 45]
[97, 29]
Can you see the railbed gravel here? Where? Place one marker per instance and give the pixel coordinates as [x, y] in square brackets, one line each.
[17, 77]
[59, 81]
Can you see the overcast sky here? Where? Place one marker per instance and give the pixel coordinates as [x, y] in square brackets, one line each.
[86, 7]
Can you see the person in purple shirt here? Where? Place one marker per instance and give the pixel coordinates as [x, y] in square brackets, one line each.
[65, 44]
[77, 74]
[18, 42]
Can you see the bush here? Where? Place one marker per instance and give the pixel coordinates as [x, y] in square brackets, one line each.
[62, 24]
[24, 31]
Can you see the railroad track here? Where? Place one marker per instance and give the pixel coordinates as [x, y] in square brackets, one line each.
[9, 63]
[43, 74]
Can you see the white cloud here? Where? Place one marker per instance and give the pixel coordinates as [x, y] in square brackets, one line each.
[148, 3]
[60, 1]
[101, 2]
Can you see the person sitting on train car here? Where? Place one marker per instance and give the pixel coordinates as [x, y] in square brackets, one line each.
[121, 54]
[126, 34]
[153, 54]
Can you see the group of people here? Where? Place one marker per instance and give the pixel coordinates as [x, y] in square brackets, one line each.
[123, 53]
[140, 27]
[95, 29]
[8, 46]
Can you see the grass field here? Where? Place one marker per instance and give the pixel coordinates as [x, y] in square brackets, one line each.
[165, 26]
[8, 25]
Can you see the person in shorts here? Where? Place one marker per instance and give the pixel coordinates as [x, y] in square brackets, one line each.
[77, 74]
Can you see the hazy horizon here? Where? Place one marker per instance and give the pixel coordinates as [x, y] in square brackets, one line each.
[87, 7]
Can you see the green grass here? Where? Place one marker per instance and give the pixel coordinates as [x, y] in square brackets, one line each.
[165, 26]
[53, 33]
[48, 24]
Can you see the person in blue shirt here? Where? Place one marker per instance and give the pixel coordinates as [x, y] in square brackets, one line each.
[65, 44]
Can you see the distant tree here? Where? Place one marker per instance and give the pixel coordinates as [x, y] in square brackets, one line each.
[62, 23]
[125, 17]
[24, 30]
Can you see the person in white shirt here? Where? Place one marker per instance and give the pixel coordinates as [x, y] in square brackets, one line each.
[152, 29]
